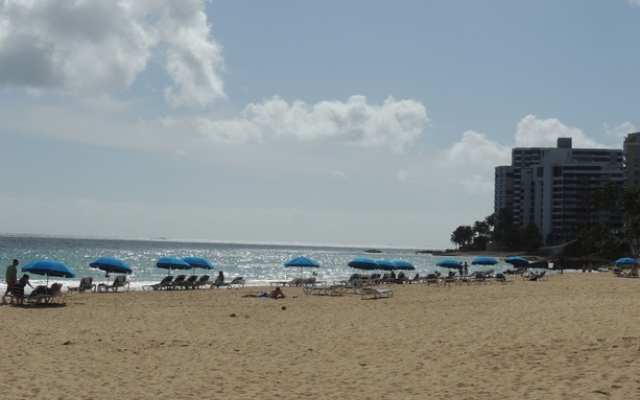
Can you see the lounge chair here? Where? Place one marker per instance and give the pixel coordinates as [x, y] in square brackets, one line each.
[237, 282]
[42, 295]
[535, 277]
[479, 278]
[322, 289]
[118, 282]
[163, 284]
[295, 282]
[190, 282]
[178, 282]
[432, 279]
[375, 293]
[501, 278]
[85, 284]
[449, 279]
[202, 281]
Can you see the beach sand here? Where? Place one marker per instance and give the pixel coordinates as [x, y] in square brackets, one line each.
[576, 336]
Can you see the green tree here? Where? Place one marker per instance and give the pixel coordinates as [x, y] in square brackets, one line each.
[531, 238]
[630, 207]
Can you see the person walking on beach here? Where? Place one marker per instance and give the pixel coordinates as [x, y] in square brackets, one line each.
[11, 277]
[466, 269]
[559, 263]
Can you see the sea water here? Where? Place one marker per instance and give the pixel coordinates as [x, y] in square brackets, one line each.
[258, 263]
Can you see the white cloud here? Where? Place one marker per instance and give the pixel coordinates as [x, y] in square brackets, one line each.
[92, 48]
[475, 150]
[620, 131]
[192, 56]
[472, 160]
[533, 132]
[634, 2]
[394, 123]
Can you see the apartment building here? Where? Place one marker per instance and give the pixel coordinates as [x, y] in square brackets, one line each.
[631, 151]
[548, 186]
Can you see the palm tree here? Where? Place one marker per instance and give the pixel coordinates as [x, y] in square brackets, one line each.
[630, 207]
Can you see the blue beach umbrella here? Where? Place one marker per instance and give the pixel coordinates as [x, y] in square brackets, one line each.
[111, 265]
[517, 261]
[386, 265]
[172, 263]
[403, 265]
[49, 268]
[449, 263]
[302, 262]
[627, 261]
[365, 264]
[484, 261]
[198, 262]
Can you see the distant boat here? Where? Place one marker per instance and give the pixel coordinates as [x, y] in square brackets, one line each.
[372, 251]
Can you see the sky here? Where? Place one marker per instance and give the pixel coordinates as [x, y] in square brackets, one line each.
[366, 123]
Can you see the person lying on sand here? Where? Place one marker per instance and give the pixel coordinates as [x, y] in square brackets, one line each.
[275, 294]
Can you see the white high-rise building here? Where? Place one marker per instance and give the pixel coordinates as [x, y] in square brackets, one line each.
[548, 186]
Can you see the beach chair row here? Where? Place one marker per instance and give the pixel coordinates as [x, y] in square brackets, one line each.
[41, 295]
[475, 279]
[340, 288]
[193, 282]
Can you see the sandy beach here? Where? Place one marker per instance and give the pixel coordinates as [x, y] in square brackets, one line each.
[576, 336]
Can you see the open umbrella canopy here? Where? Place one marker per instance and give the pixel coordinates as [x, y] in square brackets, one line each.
[449, 263]
[111, 265]
[517, 261]
[627, 261]
[302, 262]
[402, 264]
[172, 263]
[386, 265]
[363, 263]
[198, 262]
[49, 268]
[484, 261]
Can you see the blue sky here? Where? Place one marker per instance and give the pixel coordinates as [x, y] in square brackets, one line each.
[370, 123]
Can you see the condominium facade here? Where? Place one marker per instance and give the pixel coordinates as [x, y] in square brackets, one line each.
[548, 186]
[631, 151]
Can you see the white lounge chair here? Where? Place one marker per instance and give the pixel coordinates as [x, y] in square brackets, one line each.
[119, 282]
[375, 293]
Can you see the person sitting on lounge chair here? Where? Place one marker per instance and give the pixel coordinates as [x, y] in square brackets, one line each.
[275, 294]
[219, 280]
[18, 288]
[533, 276]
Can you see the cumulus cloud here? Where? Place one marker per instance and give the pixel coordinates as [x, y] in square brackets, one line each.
[620, 131]
[394, 123]
[471, 162]
[533, 132]
[92, 48]
[475, 149]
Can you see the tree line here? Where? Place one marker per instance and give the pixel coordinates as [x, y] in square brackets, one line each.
[592, 236]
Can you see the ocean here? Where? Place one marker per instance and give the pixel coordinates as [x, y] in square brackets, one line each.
[258, 263]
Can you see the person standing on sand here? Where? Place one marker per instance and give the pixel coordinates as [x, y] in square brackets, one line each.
[559, 262]
[466, 269]
[11, 277]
